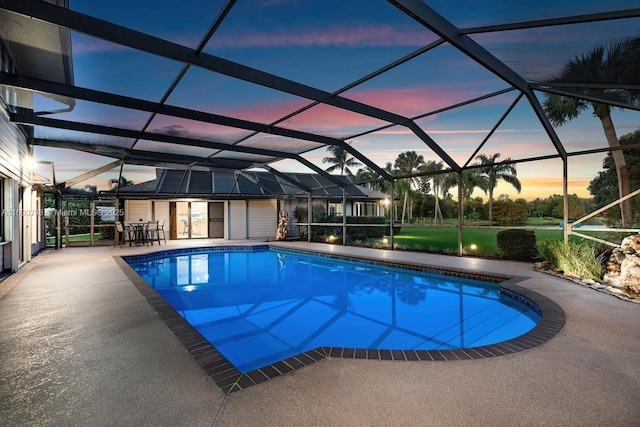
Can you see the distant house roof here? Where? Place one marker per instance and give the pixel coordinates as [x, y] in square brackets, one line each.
[228, 184]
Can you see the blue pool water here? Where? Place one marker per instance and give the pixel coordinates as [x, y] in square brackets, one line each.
[260, 307]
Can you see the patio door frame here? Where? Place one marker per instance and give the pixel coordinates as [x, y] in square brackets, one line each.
[176, 222]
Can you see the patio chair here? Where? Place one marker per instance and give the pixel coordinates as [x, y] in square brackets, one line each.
[161, 231]
[153, 232]
[123, 235]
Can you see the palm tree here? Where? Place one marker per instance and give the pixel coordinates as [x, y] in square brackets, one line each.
[382, 184]
[616, 63]
[438, 185]
[631, 67]
[364, 176]
[472, 179]
[402, 190]
[493, 172]
[340, 160]
[408, 163]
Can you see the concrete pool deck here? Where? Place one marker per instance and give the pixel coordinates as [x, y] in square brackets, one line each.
[79, 345]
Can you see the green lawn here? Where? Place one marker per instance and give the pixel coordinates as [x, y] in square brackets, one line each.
[445, 239]
[530, 222]
[76, 238]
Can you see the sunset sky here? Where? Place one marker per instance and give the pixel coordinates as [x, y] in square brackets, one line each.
[328, 45]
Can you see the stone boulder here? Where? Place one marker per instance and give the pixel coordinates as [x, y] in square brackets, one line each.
[623, 267]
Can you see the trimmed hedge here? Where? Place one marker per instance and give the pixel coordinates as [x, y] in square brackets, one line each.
[517, 244]
[320, 233]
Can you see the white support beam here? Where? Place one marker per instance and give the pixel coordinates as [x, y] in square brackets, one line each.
[595, 239]
[91, 173]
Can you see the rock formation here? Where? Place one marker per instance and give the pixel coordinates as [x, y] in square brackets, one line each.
[623, 268]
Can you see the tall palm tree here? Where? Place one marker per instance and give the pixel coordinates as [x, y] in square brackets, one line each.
[340, 160]
[408, 163]
[472, 179]
[438, 185]
[632, 69]
[616, 63]
[493, 172]
[402, 190]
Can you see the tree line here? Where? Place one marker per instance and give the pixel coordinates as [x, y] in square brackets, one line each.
[485, 176]
[428, 197]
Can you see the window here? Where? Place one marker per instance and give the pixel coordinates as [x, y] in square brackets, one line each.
[366, 209]
[335, 208]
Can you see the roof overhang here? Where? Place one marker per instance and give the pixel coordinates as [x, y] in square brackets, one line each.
[40, 49]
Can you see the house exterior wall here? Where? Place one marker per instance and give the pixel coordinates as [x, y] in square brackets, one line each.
[262, 218]
[34, 221]
[161, 214]
[243, 219]
[137, 210]
[236, 220]
[22, 220]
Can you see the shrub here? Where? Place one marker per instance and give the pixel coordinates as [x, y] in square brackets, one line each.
[473, 216]
[107, 233]
[321, 233]
[573, 259]
[517, 244]
[300, 213]
[357, 237]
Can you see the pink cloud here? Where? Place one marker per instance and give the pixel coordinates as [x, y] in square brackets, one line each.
[336, 35]
[265, 112]
[330, 120]
[326, 119]
[411, 101]
[319, 118]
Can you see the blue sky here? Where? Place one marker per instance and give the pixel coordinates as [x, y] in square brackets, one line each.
[328, 45]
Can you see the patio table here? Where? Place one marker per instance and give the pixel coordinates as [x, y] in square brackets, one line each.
[139, 232]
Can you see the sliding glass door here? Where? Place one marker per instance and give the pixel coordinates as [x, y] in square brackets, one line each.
[191, 220]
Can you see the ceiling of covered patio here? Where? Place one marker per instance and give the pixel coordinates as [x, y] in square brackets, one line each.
[244, 84]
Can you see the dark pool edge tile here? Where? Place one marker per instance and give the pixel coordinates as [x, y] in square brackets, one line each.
[230, 379]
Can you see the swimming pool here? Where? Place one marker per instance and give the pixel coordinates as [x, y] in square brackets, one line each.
[259, 306]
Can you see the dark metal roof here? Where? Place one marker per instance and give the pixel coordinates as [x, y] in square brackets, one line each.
[226, 184]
